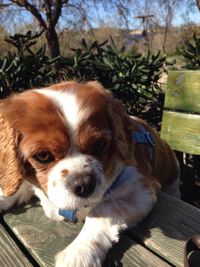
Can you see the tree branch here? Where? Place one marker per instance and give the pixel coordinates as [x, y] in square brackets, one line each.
[80, 10]
[57, 11]
[32, 9]
[48, 8]
[198, 4]
[4, 5]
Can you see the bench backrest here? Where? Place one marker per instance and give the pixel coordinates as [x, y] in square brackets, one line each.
[181, 117]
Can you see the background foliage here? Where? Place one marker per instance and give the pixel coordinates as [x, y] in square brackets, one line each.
[191, 53]
[24, 68]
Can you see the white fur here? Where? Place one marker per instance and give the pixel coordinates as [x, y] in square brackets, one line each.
[101, 231]
[69, 107]
[83, 251]
[49, 209]
[24, 194]
[77, 164]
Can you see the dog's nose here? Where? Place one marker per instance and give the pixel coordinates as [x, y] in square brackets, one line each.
[83, 185]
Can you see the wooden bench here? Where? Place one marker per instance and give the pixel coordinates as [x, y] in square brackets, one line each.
[28, 238]
[181, 117]
[181, 127]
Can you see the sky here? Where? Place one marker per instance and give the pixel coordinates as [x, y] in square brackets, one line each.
[181, 17]
[183, 14]
[109, 19]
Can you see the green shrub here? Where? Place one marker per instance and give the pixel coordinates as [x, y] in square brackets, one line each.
[25, 68]
[131, 77]
[191, 53]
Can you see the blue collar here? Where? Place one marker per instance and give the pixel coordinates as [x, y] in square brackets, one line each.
[68, 214]
[140, 137]
[117, 182]
[143, 136]
[146, 138]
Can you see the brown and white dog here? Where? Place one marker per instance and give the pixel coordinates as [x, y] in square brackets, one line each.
[72, 145]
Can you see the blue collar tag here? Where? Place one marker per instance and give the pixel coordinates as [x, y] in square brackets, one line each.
[68, 214]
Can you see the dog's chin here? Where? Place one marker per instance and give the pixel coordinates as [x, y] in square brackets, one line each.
[64, 199]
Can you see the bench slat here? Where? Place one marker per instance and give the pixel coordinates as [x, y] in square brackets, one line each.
[44, 238]
[167, 228]
[183, 91]
[135, 255]
[181, 131]
[10, 254]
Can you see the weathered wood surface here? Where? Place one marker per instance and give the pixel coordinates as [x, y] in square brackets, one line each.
[167, 228]
[135, 255]
[183, 91]
[44, 238]
[181, 131]
[163, 232]
[10, 254]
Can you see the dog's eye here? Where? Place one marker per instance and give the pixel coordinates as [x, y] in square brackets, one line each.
[99, 147]
[44, 157]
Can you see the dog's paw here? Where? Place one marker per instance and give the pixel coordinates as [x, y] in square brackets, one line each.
[74, 256]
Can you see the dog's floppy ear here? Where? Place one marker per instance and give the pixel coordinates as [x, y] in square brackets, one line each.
[122, 127]
[10, 166]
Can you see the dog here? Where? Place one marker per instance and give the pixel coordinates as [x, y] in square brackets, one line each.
[74, 147]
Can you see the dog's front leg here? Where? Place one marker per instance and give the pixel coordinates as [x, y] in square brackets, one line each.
[92, 243]
[102, 228]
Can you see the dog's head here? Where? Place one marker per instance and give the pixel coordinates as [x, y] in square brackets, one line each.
[70, 139]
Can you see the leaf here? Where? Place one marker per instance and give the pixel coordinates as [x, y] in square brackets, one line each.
[84, 44]
[3, 66]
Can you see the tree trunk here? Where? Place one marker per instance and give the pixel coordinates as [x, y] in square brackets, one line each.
[165, 38]
[52, 42]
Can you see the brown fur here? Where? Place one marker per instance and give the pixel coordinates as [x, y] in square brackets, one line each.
[30, 122]
[64, 173]
[11, 169]
[164, 166]
[107, 120]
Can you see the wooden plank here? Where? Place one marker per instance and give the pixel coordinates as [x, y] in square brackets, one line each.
[181, 131]
[135, 255]
[167, 228]
[183, 91]
[10, 254]
[44, 238]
